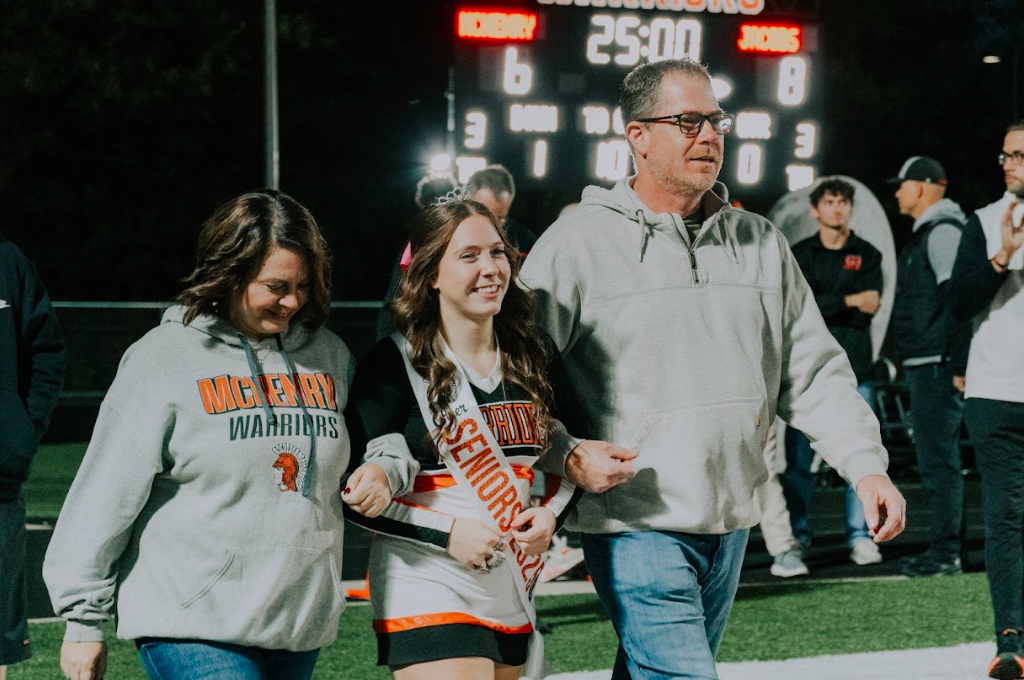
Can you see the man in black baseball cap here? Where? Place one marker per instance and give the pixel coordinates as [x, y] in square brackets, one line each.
[932, 346]
[920, 169]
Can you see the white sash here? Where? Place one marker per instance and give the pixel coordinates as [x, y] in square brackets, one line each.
[478, 465]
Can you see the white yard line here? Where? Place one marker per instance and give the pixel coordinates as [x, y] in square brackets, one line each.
[963, 662]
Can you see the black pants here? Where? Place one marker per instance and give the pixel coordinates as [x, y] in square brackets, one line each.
[997, 432]
[14, 645]
[937, 413]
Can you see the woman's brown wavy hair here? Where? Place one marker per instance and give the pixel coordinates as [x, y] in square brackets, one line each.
[235, 241]
[417, 315]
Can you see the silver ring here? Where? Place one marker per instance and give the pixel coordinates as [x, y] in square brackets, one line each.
[495, 559]
[486, 569]
[499, 546]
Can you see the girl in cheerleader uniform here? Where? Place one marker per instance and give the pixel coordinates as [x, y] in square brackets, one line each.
[463, 389]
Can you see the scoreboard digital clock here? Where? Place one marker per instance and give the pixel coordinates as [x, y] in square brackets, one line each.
[536, 88]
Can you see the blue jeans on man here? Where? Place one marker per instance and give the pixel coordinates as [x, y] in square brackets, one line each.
[668, 595]
[798, 484]
[166, 659]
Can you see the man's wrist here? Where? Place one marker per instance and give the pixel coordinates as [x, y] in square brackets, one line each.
[1001, 261]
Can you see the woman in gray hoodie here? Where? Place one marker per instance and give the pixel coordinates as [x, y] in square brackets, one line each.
[207, 509]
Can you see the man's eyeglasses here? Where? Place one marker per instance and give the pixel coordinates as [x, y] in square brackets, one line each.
[1016, 158]
[691, 123]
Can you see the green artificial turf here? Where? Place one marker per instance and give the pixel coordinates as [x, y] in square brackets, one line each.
[782, 621]
[53, 470]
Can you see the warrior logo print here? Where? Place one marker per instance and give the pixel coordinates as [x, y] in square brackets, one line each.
[290, 467]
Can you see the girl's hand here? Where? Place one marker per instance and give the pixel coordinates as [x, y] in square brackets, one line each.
[533, 529]
[473, 543]
[368, 491]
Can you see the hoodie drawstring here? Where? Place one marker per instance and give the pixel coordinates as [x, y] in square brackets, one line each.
[251, 357]
[644, 233]
[305, 416]
[269, 411]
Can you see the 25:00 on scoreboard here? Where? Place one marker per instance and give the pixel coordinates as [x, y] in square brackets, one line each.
[537, 89]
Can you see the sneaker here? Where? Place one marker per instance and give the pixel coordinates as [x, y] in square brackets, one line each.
[1008, 664]
[559, 559]
[930, 564]
[789, 563]
[864, 551]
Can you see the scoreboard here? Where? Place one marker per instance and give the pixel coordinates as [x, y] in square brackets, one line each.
[536, 88]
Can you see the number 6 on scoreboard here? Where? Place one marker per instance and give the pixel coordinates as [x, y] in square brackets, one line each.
[518, 77]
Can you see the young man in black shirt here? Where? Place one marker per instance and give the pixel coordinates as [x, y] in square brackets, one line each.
[845, 274]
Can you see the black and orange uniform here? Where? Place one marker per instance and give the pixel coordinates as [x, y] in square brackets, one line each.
[427, 605]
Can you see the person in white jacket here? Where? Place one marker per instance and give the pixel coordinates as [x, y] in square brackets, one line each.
[686, 326]
[988, 286]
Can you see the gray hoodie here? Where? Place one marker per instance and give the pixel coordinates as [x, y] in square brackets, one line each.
[687, 352]
[189, 508]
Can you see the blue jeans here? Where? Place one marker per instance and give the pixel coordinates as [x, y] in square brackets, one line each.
[166, 659]
[798, 484]
[668, 595]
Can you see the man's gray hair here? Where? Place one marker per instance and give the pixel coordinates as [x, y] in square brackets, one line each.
[638, 97]
[495, 177]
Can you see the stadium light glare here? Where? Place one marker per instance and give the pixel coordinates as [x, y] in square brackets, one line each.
[440, 164]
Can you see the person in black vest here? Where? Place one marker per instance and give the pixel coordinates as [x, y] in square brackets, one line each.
[845, 274]
[933, 347]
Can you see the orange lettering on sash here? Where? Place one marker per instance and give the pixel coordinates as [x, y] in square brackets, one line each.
[505, 500]
[480, 465]
[505, 523]
[468, 422]
[495, 483]
[468, 446]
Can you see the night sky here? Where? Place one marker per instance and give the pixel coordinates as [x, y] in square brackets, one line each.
[123, 124]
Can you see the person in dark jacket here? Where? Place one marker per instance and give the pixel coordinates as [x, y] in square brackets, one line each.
[932, 345]
[988, 286]
[32, 372]
[845, 274]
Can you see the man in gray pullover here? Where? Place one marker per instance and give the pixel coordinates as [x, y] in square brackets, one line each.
[685, 326]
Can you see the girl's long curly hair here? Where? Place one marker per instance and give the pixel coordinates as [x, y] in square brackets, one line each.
[416, 312]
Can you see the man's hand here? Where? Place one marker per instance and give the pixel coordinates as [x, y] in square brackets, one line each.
[1013, 239]
[368, 491]
[83, 660]
[960, 382]
[533, 529]
[885, 510]
[867, 301]
[598, 466]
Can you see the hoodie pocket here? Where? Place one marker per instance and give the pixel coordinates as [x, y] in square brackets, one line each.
[697, 470]
[18, 438]
[211, 581]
